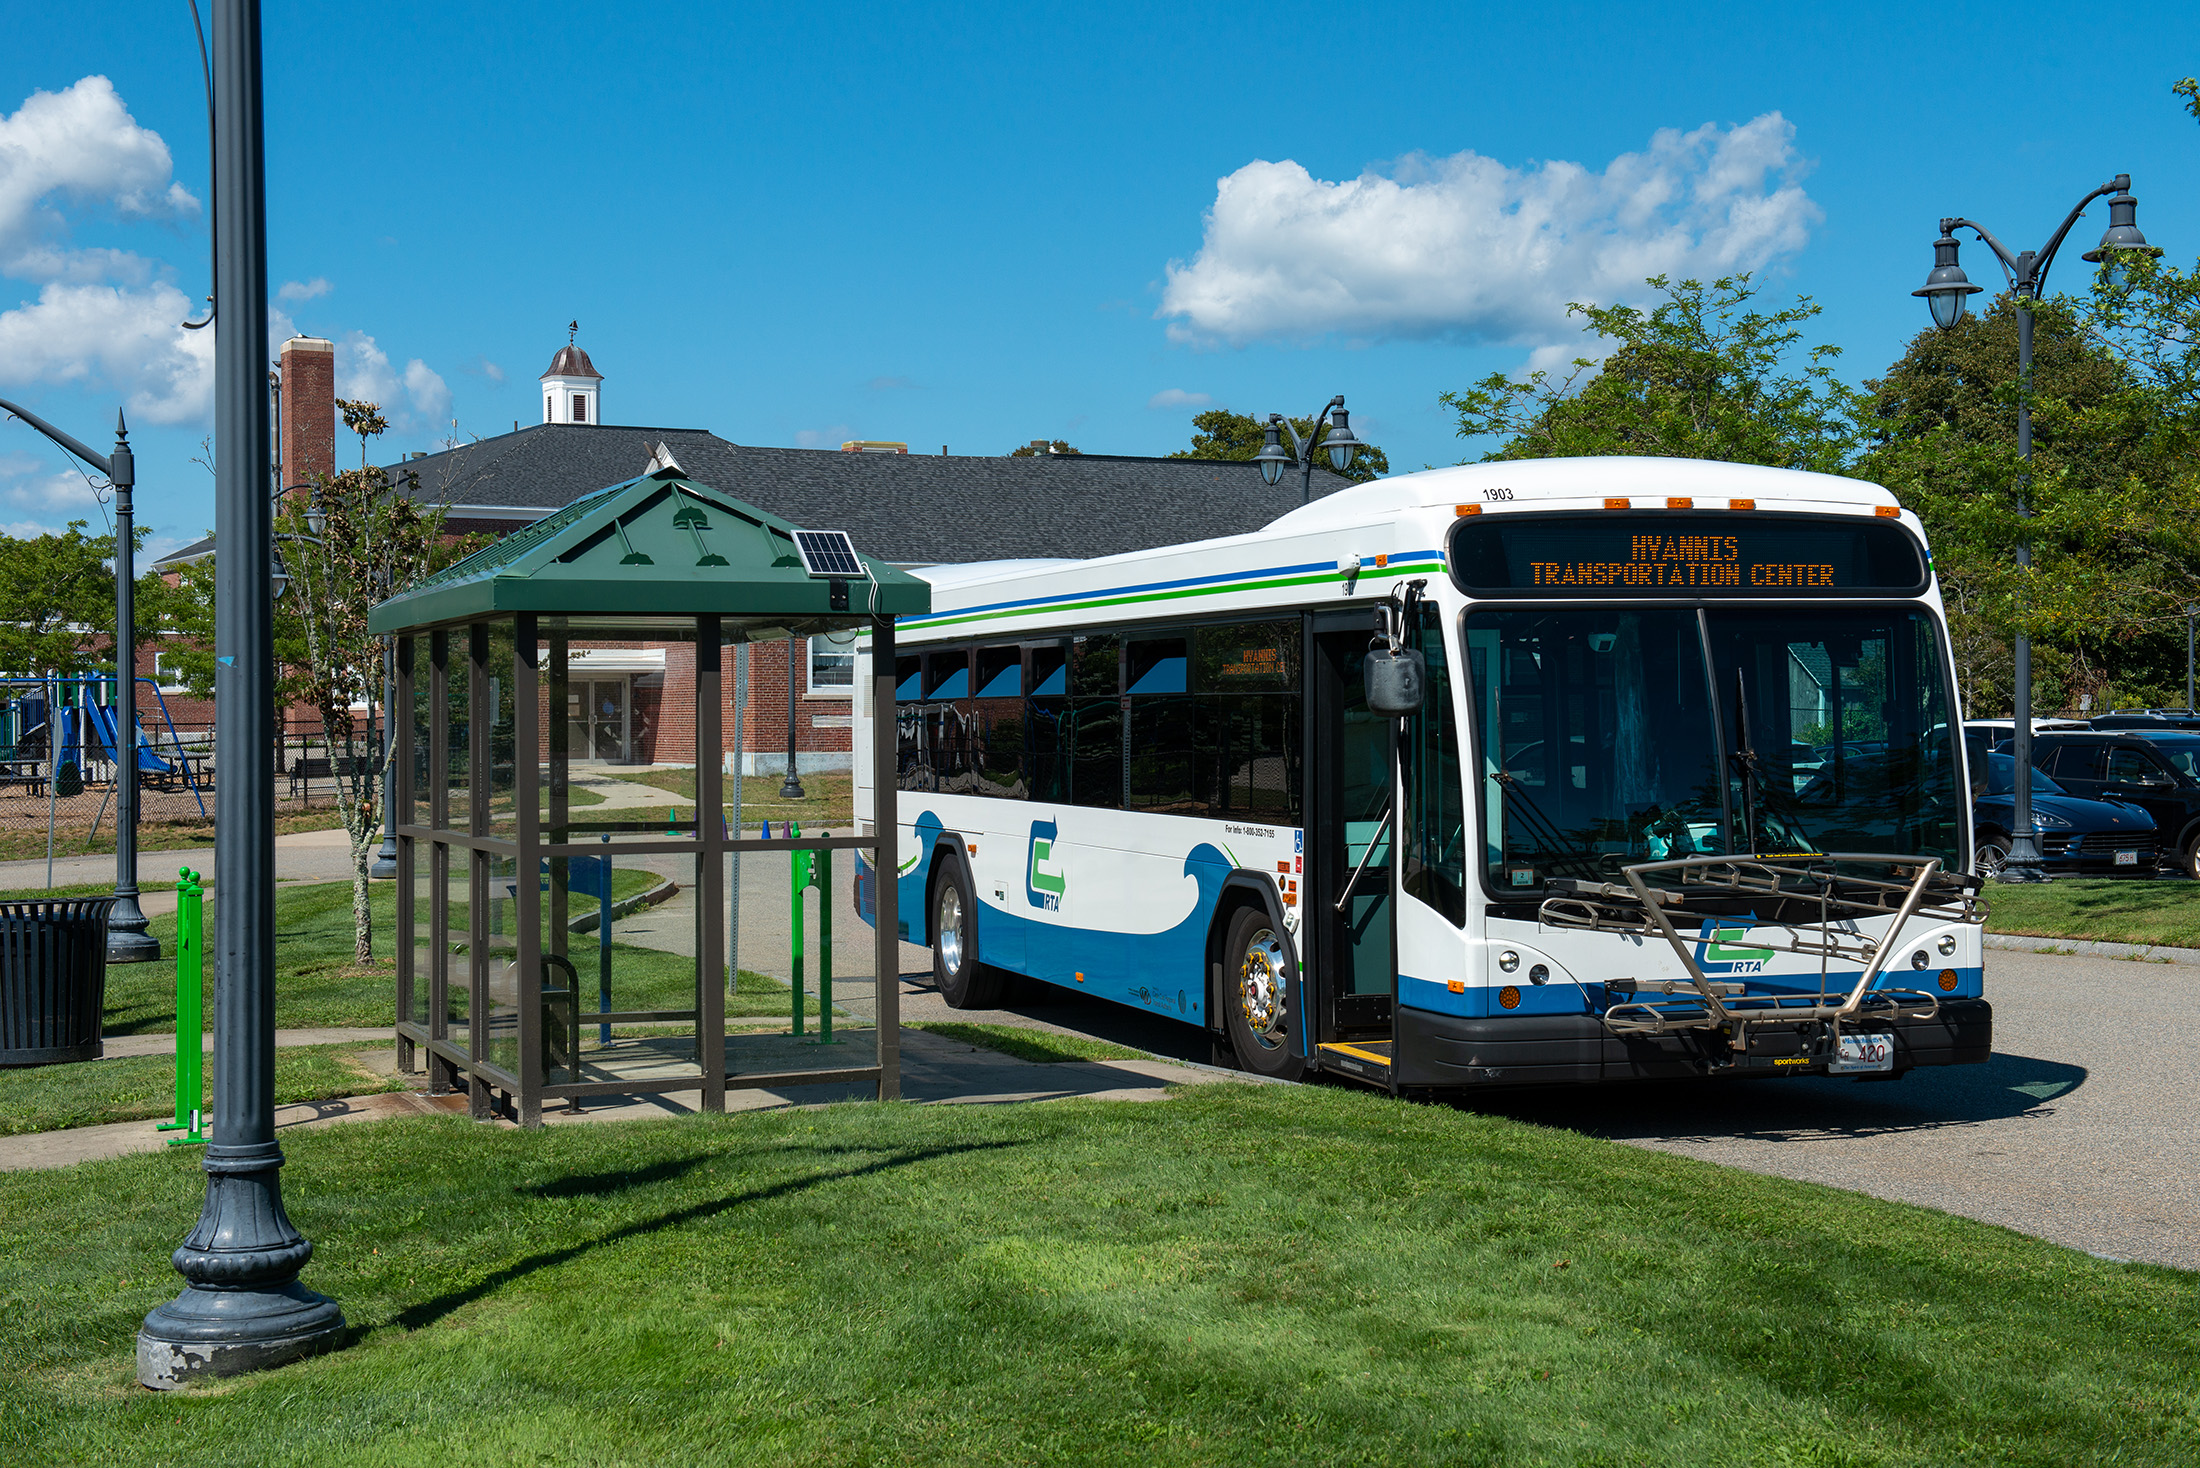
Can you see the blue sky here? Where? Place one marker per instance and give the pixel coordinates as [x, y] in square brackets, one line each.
[975, 226]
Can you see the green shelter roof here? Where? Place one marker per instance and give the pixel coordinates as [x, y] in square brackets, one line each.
[656, 547]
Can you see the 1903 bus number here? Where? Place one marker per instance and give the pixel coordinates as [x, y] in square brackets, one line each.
[1497, 494]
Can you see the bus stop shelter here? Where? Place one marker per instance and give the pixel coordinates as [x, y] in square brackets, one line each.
[520, 977]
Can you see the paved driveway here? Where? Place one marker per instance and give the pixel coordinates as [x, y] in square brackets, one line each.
[2080, 1129]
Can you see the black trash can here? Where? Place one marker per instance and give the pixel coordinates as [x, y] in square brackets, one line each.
[53, 979]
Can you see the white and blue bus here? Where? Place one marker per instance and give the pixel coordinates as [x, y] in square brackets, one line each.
[1555, 771]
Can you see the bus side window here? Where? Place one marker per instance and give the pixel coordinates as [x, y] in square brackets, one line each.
[997, 723]
[914, 761]
[1157, 764]
[1047, 724]
[947, 717]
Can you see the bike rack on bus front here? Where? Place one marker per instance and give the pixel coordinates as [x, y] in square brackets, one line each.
[1639, 909]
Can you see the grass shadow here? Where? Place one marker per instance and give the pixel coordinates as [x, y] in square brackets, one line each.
[428, 1312]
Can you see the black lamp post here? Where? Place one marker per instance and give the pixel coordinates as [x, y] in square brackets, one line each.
[1945, 291]
[1273, 458]
[244, 1307]
[792, 788]
[127, 940]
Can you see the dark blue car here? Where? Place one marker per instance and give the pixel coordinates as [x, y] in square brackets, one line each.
[2105, 838]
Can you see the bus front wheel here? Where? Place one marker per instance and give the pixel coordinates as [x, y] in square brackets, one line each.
[962, 981]
[1258, 997]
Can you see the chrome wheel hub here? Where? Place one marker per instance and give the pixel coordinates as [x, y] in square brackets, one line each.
[950, 928]
[1263, 977]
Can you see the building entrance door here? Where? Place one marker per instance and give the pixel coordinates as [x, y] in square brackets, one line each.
[600, 712]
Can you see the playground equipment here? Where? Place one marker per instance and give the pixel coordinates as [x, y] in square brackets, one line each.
[813, 869]
[190, 1026]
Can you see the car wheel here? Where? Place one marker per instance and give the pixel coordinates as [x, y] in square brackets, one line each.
[1259, 996]
[962, 980]
[1992, 853]
[2189, 859]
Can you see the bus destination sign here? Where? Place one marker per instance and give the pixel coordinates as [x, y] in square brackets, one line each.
[1746, 554]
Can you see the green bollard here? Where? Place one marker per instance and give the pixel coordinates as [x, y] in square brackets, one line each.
[190, 1040]
[822, 870]
[798, 867]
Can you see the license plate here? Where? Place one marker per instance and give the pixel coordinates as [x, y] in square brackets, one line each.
[2127, 858]
[1863, 1053]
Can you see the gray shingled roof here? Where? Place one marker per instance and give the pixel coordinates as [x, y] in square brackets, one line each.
[912, 509]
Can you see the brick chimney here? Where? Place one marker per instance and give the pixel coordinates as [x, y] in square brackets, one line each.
[309, 409]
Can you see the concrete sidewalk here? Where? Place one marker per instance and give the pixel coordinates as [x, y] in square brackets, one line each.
[935, 1071]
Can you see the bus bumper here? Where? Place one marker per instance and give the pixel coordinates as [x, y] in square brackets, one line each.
[1446, 1050]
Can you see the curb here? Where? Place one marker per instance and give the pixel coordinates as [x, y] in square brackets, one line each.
[662, 892]
[2143, 952]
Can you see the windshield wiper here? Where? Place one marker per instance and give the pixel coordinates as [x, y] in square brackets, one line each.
[1555, 843]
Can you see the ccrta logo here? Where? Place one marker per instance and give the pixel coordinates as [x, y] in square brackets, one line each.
[1043, 886]
[1718, 949]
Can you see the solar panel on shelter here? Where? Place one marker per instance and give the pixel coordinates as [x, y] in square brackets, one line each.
[828, 553]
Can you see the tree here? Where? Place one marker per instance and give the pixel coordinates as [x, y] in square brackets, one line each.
[2112, 511]
[1033, 450]
[356, 540]
[364, 419]
[1699, 376]
[1219, 433]
[57, 602]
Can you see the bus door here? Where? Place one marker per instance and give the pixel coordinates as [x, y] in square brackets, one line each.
[1352, 763]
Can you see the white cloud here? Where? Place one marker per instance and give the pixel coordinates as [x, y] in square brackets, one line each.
[128, 337]
[363, 370]
[1469, 248]
[824, 438]
[1177, 397]
[82, 144]
[294, 291]
[483, 367]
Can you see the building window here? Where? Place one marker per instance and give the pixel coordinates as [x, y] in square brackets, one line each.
[580, 407]
[832, 668]
[167, 676]
[549, 410]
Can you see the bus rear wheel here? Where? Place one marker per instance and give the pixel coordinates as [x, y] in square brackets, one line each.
[1258, 996]
[962, 980]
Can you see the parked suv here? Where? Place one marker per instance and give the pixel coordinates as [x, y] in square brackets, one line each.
[2104, 765]
[2142, 721]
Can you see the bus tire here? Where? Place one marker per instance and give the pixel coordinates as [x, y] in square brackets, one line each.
[962, 980]
[1257, 996]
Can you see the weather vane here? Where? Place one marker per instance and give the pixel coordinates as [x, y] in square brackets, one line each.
[572, 330]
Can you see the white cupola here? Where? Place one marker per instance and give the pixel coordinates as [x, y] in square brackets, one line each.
[572, 390]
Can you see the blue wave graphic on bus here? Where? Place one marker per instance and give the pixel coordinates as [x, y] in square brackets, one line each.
[1162, 970]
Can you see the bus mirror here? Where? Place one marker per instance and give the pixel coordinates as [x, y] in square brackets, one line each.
[1396, 681]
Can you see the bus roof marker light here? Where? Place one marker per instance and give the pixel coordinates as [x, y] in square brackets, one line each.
[1460, 511]
[1617, 504]
[1677, 502]
[1741, 504]
[1887, 512]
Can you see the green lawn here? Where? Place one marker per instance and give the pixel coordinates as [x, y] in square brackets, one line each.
[1299, 1275]
[828, 798]
[1026, 1043]
[95, 1092]
[2102, 910]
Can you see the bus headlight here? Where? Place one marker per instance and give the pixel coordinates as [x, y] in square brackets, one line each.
[1508, 960]
[1947, 944]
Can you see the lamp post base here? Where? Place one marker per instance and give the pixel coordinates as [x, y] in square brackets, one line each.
[385, 862]
[2023, 863]
[216, 1333]
[127, 940]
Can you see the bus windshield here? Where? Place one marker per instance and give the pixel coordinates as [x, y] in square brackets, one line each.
[1608, 736]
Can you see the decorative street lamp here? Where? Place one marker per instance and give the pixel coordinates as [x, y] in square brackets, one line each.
[127, 940]
[244, 1307]
[791, 788]
[1274, 458]
[1945, 291]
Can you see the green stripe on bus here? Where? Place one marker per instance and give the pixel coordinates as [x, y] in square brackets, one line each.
[1319, 578]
